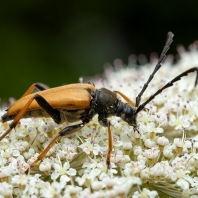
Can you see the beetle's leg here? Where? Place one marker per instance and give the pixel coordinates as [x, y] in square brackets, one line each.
[66, 131]
[126, 98]
[91, 83]
[161, 59]
[106, 123]
[44, 152]
[135, 128]
[169, 84]
[55, 114]
[110, 147]
[39, 86]
[17, 118]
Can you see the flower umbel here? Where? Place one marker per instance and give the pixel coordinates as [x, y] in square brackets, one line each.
[159, 161]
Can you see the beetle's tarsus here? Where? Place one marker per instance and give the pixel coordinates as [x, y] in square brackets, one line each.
[135, 128]
[108, 163]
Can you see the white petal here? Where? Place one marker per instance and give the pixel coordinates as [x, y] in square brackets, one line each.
[64, 178]
[57, 166]
[182, 183]
[71, 172]
[54, 176]
[66, 165]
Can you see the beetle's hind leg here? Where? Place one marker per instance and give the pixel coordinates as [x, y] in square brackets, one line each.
[55, 114]
[39, 86]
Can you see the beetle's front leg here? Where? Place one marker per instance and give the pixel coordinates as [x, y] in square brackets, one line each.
[106, 123]
[126, 98]
[129, 100]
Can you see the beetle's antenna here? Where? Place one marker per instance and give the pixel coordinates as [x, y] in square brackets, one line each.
[169, 84]
[159, 64]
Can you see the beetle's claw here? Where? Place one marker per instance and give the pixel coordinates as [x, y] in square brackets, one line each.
[27, 171]
[108, 163]
[135, 128]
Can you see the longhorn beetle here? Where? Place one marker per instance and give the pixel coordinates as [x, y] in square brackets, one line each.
[80, 102]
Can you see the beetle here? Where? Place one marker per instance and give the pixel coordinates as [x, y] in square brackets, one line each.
[80, 102]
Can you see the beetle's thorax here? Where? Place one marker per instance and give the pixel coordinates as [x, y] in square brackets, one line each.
[106, 104]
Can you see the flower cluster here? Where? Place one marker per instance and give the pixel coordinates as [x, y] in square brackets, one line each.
[160, 160]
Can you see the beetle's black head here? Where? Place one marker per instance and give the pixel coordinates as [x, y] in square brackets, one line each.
[127, 113]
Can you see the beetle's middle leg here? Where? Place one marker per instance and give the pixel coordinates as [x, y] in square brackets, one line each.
[54, 113]
[66, 131]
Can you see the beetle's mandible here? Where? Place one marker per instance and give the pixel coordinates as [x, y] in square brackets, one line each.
[80, 102]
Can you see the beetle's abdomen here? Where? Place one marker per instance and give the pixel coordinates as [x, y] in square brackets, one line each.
[66, 115]
[34, 113]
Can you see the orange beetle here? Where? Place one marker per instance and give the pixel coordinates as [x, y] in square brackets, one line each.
[80, 102]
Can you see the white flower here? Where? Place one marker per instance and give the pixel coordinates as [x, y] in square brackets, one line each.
[145, 193]
[97, 185]
[133, 168]
[163, 141]
[71, 190]
[85, 179]
[6, 171]
[45, 165]
[22, 145]
[51, 190]
[137, 150]
[45, 127]
[178, 142]
[63, 171]
[150, 128]
[151, 153]
[180, 122]
[157, 170]
[87, 147]
[149, 143]
[127, 145]
[20, 180]
[168, 152]
[6, 189]
[29, 154]
[182, 183]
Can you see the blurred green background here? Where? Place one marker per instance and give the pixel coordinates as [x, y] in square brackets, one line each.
[56, 42]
